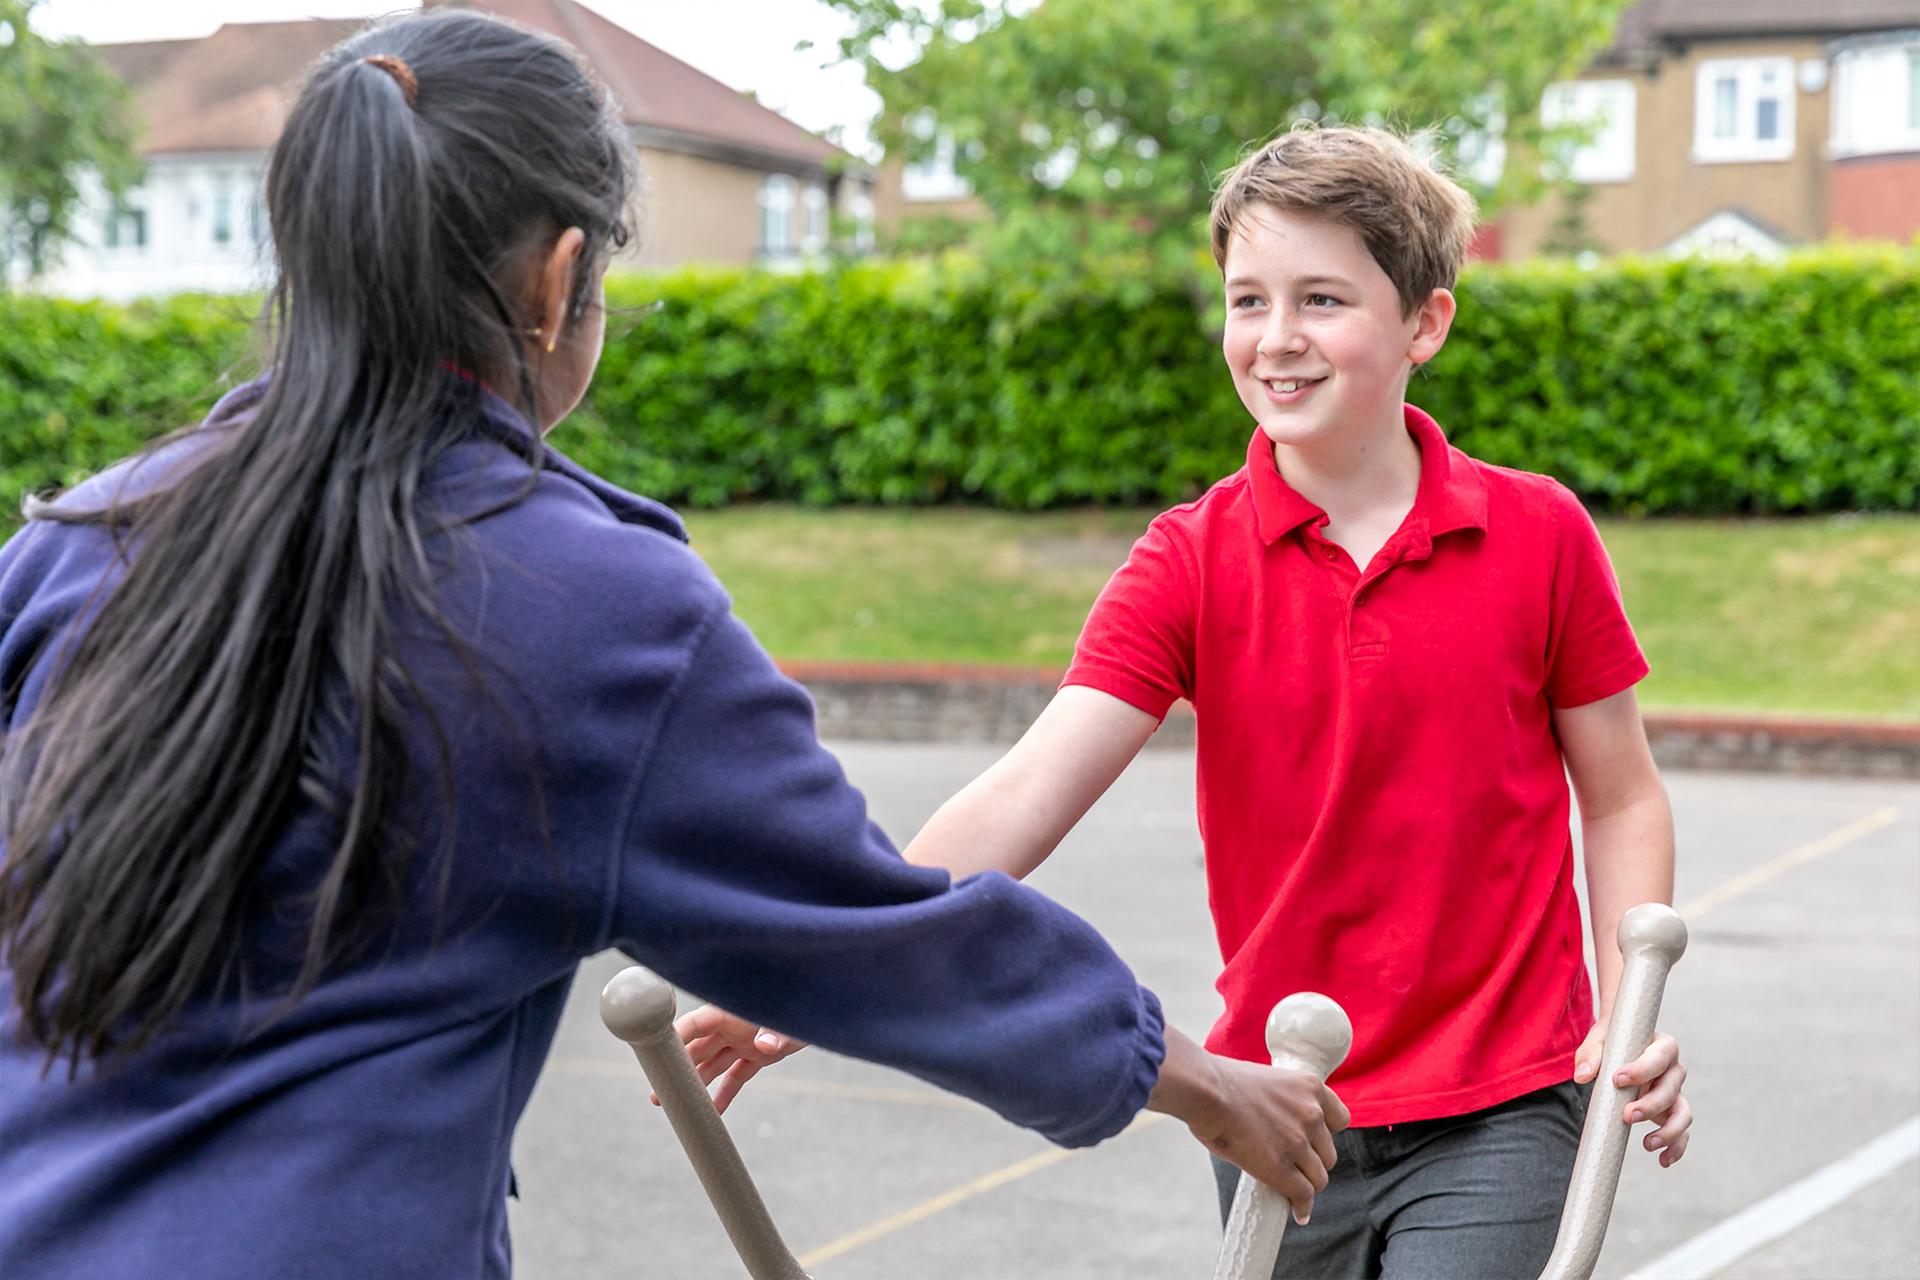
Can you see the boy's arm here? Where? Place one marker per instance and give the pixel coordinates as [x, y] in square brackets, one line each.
[1625, 822]
[1012, 816]
[1626, 827]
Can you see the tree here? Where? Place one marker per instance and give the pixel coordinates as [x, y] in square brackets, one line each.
[63, 114]
[1095, 132]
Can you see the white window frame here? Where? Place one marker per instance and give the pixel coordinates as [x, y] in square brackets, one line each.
[1608, 105]
[860, 210]
[1482, 153]
[126, 227]
[776, 216]
[1876, 97]
[1749, 77]
[813, 232]
[934, 177]
[223, 205]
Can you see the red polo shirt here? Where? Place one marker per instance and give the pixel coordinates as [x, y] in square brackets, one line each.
[1381, 795]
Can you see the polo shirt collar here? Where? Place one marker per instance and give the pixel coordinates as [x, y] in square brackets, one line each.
[1451, 495]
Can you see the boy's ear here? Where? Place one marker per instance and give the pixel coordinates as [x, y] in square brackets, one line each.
[1431, 323]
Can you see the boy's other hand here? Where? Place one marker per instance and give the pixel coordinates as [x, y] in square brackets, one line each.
[1661, 1072]
[729, 1049]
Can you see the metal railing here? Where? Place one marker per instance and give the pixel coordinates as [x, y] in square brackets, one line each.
[1306, 1032]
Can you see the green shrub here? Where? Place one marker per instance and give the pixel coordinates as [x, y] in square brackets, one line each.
[1649, 387]
[85, 383]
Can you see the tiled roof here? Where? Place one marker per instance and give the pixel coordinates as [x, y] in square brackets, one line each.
[230, 91]
[659, 91]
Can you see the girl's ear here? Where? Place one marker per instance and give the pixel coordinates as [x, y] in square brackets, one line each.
[1431, 323]
[555, 283]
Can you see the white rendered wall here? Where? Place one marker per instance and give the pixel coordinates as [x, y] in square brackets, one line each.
[181, 197]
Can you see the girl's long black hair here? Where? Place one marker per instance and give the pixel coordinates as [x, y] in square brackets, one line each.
[258, 613]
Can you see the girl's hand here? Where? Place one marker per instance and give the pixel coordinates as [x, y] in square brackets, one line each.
[1277, 1125]
[729, 1049]
[1660, 1070]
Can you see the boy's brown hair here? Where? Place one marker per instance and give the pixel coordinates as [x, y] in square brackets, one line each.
[1414, 220]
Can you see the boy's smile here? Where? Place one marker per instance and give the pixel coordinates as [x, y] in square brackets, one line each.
[1316, 338]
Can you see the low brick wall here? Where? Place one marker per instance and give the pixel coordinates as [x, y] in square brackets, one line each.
[931, 702]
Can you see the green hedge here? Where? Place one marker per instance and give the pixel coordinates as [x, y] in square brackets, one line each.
[1649, 387]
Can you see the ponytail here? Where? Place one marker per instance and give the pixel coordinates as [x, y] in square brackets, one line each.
[261, 614]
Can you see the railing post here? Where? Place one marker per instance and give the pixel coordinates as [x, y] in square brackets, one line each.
[1652, 938]
[638, 1007]
[1305, 1032]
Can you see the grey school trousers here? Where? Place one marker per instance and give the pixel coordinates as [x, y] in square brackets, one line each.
[1469, 1197]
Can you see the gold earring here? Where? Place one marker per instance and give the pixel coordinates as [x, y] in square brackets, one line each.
[537, 331]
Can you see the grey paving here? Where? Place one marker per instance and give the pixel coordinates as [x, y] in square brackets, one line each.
[1798, 1005]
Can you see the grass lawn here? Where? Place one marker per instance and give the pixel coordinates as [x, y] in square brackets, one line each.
[1810, 616]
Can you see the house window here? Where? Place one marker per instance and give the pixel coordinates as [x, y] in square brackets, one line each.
[222, 209]
[1743, 110]
[932, 177]
[1604, 110]
[776, 216]
[1913, 88]
[860, 210]
[1479, 149]
[814, 237]
[1876, 97]
[124, 227]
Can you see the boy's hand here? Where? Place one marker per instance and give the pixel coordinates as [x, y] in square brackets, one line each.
[1660, 1070]
[729, 1049]
[1277, 1125]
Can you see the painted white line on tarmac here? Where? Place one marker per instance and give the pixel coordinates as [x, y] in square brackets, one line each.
[1786, 1209]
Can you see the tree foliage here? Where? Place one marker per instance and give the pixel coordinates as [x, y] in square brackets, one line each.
[62, 114]
[1095, 131]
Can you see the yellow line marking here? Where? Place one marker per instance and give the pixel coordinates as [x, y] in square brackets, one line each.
[1875, 821]
[948, 1199]
[776, 1084]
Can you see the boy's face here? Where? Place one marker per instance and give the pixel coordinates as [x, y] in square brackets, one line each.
[1315, 338]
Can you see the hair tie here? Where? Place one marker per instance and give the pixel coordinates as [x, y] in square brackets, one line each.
[402, 74]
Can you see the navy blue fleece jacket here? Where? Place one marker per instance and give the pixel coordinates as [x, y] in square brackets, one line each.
[631, 771]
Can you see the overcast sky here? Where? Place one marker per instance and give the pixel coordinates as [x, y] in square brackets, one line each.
[748, 44]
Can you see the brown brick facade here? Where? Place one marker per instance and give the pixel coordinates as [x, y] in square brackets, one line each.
[1875, 197]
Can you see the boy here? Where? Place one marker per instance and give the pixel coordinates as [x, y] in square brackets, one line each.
[1396, 656]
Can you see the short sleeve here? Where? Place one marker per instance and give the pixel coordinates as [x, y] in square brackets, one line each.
[1592, 653]
[1138, 641]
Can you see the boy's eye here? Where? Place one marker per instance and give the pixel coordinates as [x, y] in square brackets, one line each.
[1245, 300]
[1321, 300]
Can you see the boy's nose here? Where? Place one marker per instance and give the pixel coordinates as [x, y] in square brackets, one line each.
[1281, 338]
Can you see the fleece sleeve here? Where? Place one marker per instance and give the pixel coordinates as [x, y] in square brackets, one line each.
[751, 876]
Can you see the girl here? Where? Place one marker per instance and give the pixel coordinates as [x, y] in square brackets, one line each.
[340, 728]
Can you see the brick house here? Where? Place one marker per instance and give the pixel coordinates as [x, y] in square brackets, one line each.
[725, 179]
[1742, 126]
[1719, 125]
